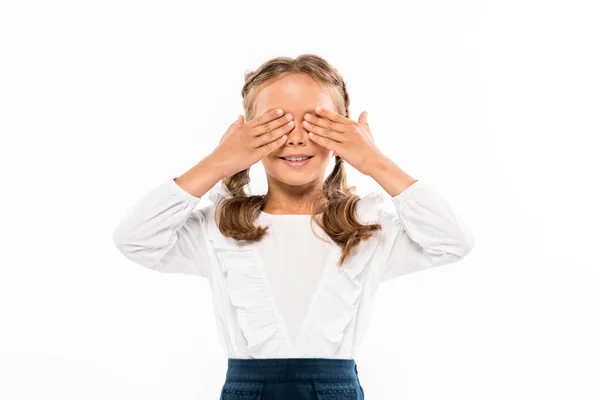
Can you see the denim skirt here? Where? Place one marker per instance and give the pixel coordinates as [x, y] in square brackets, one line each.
[291, 379]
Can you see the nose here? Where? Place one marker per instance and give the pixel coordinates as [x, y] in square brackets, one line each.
[298, 135]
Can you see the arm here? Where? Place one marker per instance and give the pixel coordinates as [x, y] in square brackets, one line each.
[162, 231]
[421, 231]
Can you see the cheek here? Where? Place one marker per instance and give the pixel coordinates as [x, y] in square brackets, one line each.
[271, 163]
[325, 152]
[267, 162]
[325, 157]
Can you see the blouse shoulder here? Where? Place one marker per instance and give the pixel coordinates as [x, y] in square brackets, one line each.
[371, 208]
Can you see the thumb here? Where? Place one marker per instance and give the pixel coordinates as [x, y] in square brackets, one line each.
[235, 123]
[363, 118]
[237, 120]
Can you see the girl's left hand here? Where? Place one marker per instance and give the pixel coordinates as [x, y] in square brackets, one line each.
[350, 140]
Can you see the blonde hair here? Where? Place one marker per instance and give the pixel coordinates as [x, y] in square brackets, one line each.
[236, 215]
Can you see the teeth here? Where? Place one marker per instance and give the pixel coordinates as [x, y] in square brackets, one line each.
[295, 158]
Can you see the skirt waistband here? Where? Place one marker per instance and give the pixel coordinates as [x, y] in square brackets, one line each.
[257, 369]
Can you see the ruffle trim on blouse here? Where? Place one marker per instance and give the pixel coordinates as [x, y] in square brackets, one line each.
[247, 289]
[250, 297]
[332, 309]
[338, 297]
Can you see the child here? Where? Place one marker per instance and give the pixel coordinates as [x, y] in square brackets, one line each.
[293, 272]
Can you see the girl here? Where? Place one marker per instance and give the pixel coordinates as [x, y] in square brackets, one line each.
[294, 272]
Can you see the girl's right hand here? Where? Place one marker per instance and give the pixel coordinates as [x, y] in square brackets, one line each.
[244, 144]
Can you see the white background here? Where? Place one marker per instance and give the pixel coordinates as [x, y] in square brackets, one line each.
[494, 102]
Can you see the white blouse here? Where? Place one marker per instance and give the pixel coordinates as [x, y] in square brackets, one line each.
[284, 296]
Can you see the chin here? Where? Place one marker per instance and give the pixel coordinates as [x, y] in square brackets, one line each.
[299, 181]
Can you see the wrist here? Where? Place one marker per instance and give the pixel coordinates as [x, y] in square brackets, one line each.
[375, 164]
[390, 176]
[217, 164]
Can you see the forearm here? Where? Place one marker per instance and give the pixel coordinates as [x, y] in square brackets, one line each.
[389, 175]
[199, 179]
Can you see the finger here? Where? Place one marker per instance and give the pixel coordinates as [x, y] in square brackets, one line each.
[271, 125]
[325, 142]
[275, 134]
[325, 123]
[271, 147]
[332, 116]
[326, 132]
[265, 117]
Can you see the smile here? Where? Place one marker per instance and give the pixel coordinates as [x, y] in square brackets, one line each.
[296, 161]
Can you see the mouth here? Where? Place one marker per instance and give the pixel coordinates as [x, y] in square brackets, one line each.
[296, 161]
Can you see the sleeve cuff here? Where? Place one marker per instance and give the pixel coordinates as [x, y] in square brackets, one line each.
[175, 188]
[403, 195]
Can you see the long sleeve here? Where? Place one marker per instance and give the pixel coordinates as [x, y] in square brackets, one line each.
[421, 232]
[164, 233]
